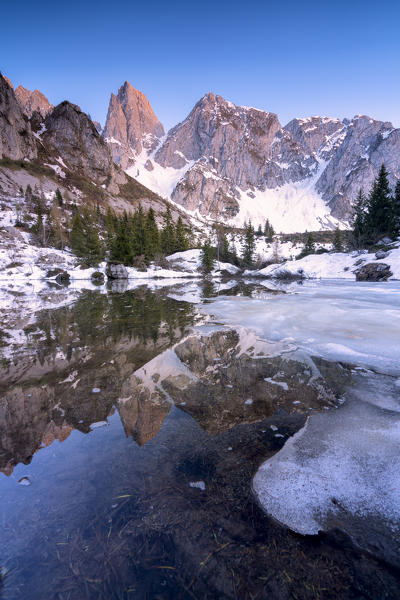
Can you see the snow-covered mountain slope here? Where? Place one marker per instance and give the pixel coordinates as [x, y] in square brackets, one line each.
[233, 163]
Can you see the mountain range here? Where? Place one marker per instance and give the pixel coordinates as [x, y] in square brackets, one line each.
[223, 162]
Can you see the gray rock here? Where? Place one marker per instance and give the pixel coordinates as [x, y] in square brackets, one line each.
[72, 135]
[97, 277]
[381, 254]
[17, 141]
[116, 271]
[373, 272]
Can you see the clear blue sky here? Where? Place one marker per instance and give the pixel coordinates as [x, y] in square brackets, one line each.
[330, 58]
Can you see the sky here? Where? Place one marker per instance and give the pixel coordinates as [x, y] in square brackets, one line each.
[297, 59]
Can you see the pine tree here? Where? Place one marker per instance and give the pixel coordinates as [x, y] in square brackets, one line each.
[137, 226]
[168, 234]
[337, 241]
[77, 239]
[181, 241]
[268, 230]
[309, 246]
[395, 230]
[379, 210]
[38, 226]
[225, 253]
[152, 236]
[259, 231]
[359, 219]
[84, 239]
[59, 198]
[248, 245]
[207, 256]
[94, 248]
[121, 243]
[56, 231]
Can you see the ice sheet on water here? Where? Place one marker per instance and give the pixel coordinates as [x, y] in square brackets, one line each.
[340, 470]
[338, 320]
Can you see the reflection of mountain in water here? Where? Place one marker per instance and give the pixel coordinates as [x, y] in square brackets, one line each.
[113, 352]
[95, 344]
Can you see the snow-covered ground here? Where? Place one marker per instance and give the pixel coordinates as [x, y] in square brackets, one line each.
[331, 265]
[290, 208]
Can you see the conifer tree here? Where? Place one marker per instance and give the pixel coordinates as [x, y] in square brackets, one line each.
[207, 257]
[259, 231]
[121, 242]
[152, 236]
[268, 230]
[181, 241]
[58, 197]
[359, 219]
[309, 246]
[225, 254]
[77, 239]
[137, 226]
[168, 234]
[84, 239]
[248, 245]
[337, 241]
[395, 230]
[380, 208]
[94, 248]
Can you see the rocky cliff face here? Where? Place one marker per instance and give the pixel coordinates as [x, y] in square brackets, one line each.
[71, 134]
[33, 101]
[356, 161]
[16, 138]
[131, 125]
[234, 162]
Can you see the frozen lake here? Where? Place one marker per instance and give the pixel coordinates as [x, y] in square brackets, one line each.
[135, 428]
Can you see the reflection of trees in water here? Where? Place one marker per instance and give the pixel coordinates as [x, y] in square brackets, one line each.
[97, 342]
[98, 319]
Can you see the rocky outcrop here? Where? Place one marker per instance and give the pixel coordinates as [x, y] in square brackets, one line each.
[71, 135]
[131, 125]
[31, 102]
[116, 271]
[317, 135]
[356, 161]
[16, 139]
[373, 272]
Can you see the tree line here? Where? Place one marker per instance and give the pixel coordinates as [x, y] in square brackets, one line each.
[128, 237]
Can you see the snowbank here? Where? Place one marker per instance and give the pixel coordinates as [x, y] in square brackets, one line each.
[330, 266]
[190, 262]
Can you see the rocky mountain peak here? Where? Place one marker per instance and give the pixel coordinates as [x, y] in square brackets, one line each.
[131, 125]
[33, 101]
[70, 134]
[8, 81]
[16, 139]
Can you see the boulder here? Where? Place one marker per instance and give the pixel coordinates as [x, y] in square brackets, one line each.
[373, 272]
[116, 271]
[63, 278]
[60, 275]
[381, 254]
[97, 277]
